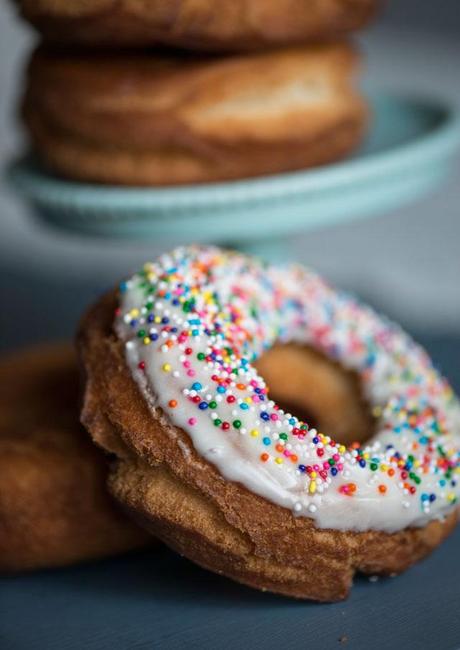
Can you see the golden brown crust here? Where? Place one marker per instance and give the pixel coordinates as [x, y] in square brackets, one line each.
[220, 525]
[197, 24]
[148, 119]
[54, 506]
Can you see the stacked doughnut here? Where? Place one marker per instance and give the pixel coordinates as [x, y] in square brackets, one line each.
[143, 92]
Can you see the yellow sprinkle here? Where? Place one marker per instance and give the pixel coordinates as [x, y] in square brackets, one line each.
[342, 449]
[146, 340]
[312, 487]
[134, 312]
[366, 455]
[313, 475]
[166, 367]
[451, 496]
[254, 433]
[383, 468]
[278, 460]
[157, 319]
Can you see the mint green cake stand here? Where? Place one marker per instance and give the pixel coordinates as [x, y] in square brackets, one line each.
[407, 154]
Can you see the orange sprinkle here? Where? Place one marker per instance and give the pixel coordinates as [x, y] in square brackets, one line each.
[241, 386]
[172, 403]
[382, 489]
[264, 457]
[279, 448]
[352, 487]
[294, 458]
[391, 472]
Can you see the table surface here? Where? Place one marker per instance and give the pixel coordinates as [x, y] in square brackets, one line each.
[155, 599]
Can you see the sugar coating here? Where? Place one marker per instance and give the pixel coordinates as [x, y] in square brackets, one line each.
[194, 322]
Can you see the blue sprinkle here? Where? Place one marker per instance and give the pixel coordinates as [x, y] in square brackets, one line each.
[197, 386]
[244, 406]
[266, 441]
[334, 471]
[264, 416]
[203, 406]
[221, 389]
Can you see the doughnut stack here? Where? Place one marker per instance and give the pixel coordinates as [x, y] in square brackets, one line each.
[148, 92]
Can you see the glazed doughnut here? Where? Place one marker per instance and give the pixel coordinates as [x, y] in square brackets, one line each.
[54, 505]
[198, 24]
[151, 119]
[233, 480]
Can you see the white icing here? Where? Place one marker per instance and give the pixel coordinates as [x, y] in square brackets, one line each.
[292, 304]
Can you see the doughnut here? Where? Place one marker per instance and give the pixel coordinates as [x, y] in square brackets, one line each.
[54, 506]
[214, 460]
[197, 24]
[151, 119]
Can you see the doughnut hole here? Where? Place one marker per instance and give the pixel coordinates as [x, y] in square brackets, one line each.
[320, 392]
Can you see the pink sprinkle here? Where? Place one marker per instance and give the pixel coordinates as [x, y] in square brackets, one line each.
[340, 466]
[186, 364]
[192, 421]
[336, 457]
[273, 416]
[286, 452]
[190, 373]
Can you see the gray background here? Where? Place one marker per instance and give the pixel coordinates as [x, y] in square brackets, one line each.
[407, 262]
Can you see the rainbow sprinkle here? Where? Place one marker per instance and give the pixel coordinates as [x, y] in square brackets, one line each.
[195, 321]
